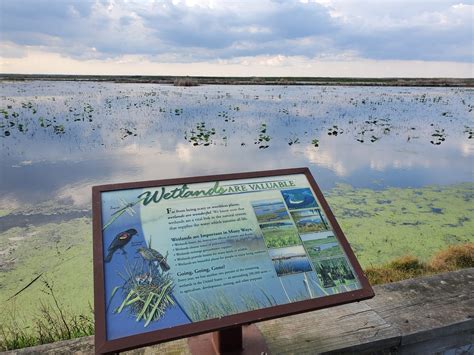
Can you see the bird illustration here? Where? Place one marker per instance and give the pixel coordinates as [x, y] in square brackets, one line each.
[153, 255]
[119, 242]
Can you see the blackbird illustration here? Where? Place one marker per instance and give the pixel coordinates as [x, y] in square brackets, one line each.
[153, 255]
[119, 242]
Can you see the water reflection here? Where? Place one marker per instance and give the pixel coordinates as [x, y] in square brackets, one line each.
[75, 135]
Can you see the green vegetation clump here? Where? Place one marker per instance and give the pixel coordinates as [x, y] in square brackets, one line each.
[453, 258]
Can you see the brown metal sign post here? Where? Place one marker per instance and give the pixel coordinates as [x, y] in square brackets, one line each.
[184, 257]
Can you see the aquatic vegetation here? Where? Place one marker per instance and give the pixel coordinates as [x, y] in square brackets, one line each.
[263, 138]
[4, 113]
[469, 131]
[201, 135]
[385, 224]
[126, 132]
[294, 140]
[373, 113]
[59, 251]
[334, 130]
[59, 129]
[438, 137]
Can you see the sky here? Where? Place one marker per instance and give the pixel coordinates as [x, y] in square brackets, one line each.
[337, 38]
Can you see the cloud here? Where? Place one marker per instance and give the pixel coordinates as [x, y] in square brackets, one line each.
[408, 30]
[197, 31]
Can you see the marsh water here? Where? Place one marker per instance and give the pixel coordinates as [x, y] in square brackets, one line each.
[60, 138]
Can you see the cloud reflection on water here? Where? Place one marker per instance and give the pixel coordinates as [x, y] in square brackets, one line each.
[40, 166]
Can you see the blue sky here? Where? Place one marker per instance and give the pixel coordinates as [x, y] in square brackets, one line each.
[205, 37]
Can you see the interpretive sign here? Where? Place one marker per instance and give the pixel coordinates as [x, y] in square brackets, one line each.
[174, 258]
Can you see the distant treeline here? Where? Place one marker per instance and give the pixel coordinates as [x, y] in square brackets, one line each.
[215, 80]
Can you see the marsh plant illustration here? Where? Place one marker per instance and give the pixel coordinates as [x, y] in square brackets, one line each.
[147, 288]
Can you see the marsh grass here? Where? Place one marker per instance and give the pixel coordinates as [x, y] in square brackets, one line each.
[52, 322]
[455, 257]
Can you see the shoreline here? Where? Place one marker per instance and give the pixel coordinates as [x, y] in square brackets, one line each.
[284, 81]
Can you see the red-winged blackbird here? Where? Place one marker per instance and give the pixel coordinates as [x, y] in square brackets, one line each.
[119, 242]
[153, 255]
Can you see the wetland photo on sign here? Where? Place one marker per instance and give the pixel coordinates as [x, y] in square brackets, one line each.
[291, 260]
[270, 210]
[309, 221]
[321, 245]
[280, 234]
[299, 198]
[334, 272]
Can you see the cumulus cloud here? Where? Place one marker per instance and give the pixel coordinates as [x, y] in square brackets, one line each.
[205, 30]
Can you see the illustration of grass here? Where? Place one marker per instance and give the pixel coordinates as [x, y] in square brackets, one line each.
[222, 305]
[148, 293]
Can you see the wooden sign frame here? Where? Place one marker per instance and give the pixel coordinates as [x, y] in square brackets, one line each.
[103, 345]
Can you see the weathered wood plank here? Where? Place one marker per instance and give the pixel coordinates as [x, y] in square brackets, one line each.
[328, 329]
[417, 305]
